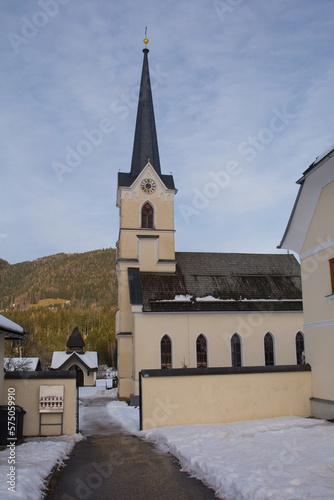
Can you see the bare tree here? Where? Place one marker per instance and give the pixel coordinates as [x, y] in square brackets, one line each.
[17, 364]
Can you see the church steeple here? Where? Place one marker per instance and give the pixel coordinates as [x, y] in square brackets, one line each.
[145, 147]
[146, 243]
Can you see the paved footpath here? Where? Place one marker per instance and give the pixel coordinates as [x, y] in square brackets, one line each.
[111, 465]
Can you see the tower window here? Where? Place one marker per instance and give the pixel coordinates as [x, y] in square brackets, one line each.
[201, 351]
[166, 352]
[269, 350]
[236, 350]
[147, 216]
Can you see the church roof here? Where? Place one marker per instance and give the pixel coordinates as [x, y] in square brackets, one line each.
[75, 339]
[145, 146]
[221, 282]
[126, 180]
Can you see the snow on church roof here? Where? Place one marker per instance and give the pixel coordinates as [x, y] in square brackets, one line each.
[89, 359]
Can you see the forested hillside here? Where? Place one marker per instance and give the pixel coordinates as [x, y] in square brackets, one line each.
[52, 295]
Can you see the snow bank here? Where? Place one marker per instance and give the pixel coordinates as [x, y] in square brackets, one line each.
[287, 458]
[34, 461]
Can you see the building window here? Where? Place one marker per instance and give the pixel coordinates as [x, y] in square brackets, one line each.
[300, 348]
[236, 350]
[166, 352]
[269, 350]
[147, 216]
[201, 351]
[331, 269]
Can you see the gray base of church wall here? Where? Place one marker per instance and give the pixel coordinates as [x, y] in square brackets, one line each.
[322, 408]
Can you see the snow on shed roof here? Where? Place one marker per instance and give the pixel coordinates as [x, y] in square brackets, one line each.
[89, 359]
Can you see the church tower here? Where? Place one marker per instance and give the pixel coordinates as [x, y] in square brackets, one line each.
[145, 198]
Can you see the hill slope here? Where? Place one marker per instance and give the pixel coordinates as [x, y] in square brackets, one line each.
[52, 295]
[83, 279]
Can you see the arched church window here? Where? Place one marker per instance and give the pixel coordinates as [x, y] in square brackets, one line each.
[235, 350]
[201, 351]
[166, 352]
[300, 348]
[269, 359]
[147, 216]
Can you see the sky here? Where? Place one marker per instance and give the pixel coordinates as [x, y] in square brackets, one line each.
[242, 97]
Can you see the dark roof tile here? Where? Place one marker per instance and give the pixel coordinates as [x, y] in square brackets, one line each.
[235, 281]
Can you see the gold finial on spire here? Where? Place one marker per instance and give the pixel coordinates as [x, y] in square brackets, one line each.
[145, 39]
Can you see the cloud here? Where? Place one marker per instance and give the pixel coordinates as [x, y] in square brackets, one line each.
[216, 80]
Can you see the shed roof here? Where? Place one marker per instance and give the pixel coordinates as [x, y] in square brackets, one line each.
[222, 282]
[28, 364]
[60, 358]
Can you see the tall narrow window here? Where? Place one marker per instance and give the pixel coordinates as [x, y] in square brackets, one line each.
[331, 270]
[201, 351]
[147, 216]
[269, 350]
[166, 352]
[236, 350]
[300, 348]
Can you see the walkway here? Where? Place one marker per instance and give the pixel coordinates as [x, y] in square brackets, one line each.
[111, 465]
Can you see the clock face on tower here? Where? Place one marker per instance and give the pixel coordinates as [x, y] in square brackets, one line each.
[148, 185]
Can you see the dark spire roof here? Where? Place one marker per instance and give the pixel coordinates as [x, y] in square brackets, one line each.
[75, 340]
[145, 145]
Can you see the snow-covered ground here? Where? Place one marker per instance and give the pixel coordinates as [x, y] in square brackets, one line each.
[287, 458]
[35, 459]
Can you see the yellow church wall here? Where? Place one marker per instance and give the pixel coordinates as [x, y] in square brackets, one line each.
[130, 211]
[124, 315]
[184, 328]
[130, 244]
[201, 399]
[124, 365]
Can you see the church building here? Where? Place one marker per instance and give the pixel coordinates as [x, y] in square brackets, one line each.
[189, 309]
